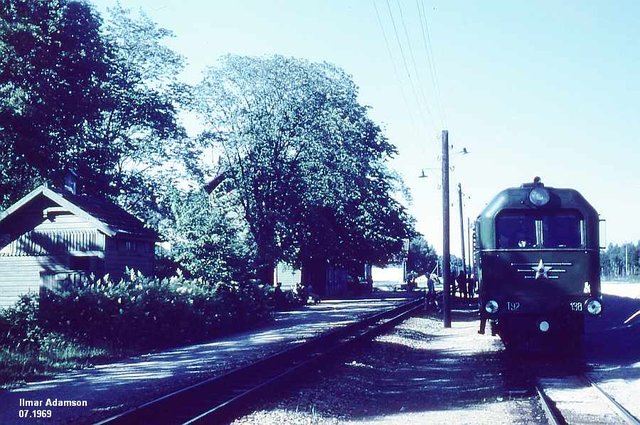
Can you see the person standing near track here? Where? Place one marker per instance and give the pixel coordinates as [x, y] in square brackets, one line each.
[461, 280]
[471, 285]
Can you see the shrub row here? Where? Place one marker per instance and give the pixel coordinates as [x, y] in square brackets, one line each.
[136, 312]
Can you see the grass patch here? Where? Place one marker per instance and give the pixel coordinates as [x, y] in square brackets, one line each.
[56, 354]
[93, 321]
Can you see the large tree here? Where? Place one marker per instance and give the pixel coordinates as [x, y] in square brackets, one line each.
[99, 98]
[141, 123]
[53, 64]
[307, 163]
[207, 235]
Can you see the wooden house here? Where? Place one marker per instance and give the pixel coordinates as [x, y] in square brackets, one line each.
[54, 235]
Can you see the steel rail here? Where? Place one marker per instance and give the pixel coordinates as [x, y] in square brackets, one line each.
[373, 330]
[613, 403]
[219, 398]
[550, 410]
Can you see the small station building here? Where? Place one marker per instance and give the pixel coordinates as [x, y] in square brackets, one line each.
[55, 235]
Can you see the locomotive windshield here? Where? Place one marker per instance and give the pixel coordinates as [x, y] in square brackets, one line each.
[523, 229]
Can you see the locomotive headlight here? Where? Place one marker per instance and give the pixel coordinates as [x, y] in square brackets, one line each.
[491, 306]
[543, 326]
[539, 196]
[594, 307]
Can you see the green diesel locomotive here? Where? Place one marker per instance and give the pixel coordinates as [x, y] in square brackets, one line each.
[537, 257]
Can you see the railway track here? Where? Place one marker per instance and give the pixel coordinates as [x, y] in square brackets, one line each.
[220, 399]
[578, 400]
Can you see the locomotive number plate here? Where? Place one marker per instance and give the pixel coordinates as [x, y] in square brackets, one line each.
[576, 306]
[513, 306]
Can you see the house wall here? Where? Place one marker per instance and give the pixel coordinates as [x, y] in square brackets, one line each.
[123, 252]
[43, 250]
[20, 275]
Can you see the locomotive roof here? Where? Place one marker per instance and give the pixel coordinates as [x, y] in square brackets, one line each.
[518, 198]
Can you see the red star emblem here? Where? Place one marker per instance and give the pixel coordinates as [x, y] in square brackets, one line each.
[541, 270]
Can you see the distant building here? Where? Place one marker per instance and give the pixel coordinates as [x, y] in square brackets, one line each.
[53, 235]
[325, 279]
[391, 276]
[289, 277]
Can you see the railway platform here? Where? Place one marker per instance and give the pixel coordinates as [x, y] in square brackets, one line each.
[89, 395]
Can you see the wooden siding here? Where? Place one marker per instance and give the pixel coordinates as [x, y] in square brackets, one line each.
[54, 241]
[116, 262]
[46, 245]
[20, 275]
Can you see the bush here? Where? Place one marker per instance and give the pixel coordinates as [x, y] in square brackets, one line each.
[72, 327]
[139, 311]
[20, 325]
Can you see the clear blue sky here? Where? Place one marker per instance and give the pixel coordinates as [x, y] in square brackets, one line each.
[544, 88]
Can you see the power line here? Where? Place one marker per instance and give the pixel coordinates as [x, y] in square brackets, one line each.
[422, 102]
[404, 59]
[415, 67]
[430, 58]
[395, 69]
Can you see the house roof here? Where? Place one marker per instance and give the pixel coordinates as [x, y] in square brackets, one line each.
[104, 214]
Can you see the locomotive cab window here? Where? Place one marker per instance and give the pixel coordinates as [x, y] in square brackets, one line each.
[562, 230]
[521, 229]
[515, 230]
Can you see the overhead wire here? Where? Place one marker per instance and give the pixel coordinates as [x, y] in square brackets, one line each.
[426, 38]
[422, 102]
[425, 103]
[395, 69]
[402, 54]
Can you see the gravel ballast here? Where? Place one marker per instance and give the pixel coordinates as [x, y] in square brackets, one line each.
[420, 373]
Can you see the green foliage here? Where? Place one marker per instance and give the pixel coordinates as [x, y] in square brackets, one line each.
[621, 261]
[141, 124]
[84, 322]
[101, 99]
[20, 325]
[28, 348]
[138, 311]
[208, 236]
[52, 69]
[422, 258]
[307, 163]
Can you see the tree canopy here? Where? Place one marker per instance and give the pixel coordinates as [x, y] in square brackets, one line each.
[304, 168]
[422, 258]
[98, 98]
[308, 164]
[621, 261]
[53, 64]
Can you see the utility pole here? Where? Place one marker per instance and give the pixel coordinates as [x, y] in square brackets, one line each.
[469, 244]
[464, 259]
[446, 261]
